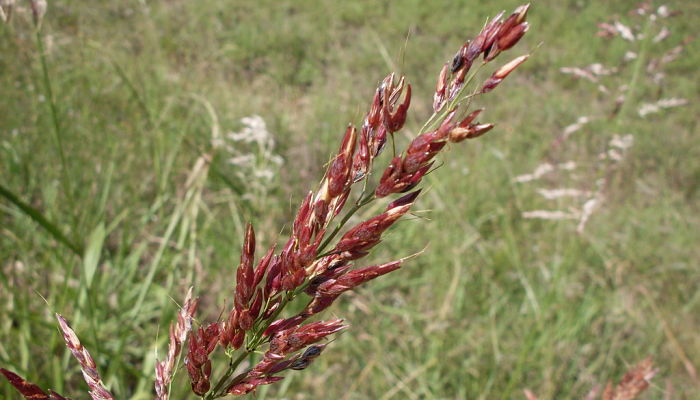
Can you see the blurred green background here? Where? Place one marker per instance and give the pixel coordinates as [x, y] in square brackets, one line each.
[120, 137]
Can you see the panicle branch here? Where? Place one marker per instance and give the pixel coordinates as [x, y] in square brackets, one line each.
[283, 344]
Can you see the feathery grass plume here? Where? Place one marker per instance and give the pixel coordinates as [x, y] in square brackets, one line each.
[304, 266]
[253, 159]
[309, 263]
[178, 334]
[87, 364]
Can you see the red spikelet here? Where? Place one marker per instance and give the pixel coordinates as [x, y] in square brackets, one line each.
[201, 344]
[502, 73]
[441, 88]
[29, 390]
[249, 384]
[509, 33]
[356, 278]
[405, 173]
[329, 290]
[365, 235]
[245, 282]
[291, 340]
[339, 179]
[245, 274]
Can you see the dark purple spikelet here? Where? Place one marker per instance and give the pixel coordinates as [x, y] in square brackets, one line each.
[29, 390]
[201, 344]
[55, 396]
[250, 383]
[328, 291]
[283, 343]
[294, 339]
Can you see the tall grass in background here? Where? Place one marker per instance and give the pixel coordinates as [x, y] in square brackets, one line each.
[154, 204]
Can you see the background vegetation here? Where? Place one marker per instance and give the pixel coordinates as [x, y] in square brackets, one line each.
[118, 155]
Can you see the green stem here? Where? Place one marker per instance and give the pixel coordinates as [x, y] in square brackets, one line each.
[54, 115]
[214, 394]
[255, 342]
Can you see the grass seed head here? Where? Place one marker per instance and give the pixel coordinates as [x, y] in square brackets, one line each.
[87, 363]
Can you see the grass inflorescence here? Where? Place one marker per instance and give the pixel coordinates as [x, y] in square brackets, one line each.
[149, 202]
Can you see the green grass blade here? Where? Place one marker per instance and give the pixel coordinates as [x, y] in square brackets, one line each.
[39, 218]
[92, 253]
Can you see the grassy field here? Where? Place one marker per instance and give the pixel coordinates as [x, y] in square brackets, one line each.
[109, 136]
